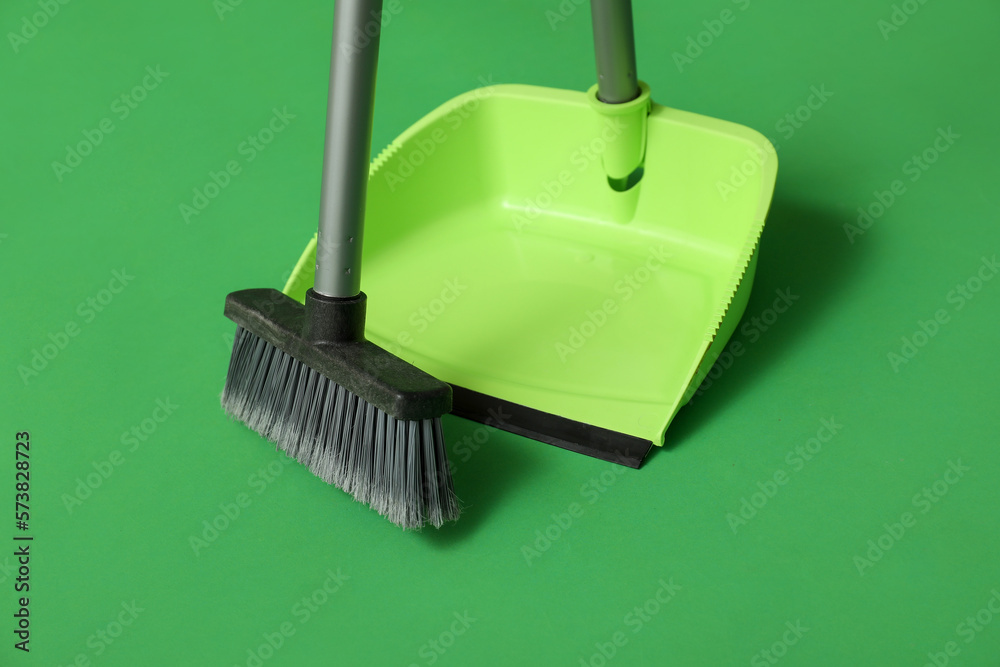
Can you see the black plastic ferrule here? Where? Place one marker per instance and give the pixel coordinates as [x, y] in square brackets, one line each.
[334, 320]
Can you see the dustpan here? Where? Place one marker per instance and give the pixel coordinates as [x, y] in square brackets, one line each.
[572, 267]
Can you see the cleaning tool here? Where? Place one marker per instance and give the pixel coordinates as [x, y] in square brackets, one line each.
[571, 263]
[302, 373]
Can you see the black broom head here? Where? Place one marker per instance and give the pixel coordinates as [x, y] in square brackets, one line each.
[357, 416]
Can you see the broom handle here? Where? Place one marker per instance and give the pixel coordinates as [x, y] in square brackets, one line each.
[614, 46]
[350, 104]
[347, 148]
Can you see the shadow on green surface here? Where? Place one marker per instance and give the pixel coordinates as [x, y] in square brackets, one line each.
[804, 254]
[484, 472]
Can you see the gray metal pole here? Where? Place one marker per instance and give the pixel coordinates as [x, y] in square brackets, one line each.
[347, 149]
[614, 46]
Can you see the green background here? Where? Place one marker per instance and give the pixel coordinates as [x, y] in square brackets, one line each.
[163, 337]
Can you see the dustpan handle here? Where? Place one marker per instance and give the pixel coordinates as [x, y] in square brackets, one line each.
[347, 147]
[614, 47]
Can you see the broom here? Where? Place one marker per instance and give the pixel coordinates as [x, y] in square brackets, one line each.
[303, 375]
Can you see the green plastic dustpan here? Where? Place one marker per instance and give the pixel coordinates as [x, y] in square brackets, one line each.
[503, 262]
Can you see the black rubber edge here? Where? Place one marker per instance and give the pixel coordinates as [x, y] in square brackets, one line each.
[601, 443]
[327, 334]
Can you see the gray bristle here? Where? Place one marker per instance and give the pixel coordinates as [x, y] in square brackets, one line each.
[399, 468]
